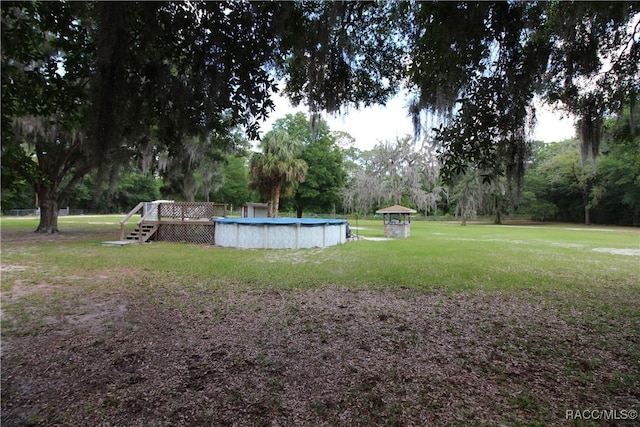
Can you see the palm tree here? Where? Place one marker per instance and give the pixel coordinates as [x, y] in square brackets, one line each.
[277, 169]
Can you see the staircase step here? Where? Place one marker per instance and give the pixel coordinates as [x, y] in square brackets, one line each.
[142, 232]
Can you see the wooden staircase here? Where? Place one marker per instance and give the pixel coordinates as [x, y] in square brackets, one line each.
[143, 232]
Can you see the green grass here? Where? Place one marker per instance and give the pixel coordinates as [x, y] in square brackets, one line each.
[554, 262]
[94, 222]
[437, 256]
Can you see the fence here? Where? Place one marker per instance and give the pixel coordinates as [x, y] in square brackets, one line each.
[36, 212]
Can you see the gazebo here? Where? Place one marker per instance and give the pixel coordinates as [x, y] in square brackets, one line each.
[397, 220]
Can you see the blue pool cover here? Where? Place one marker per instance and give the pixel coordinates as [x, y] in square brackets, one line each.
[307, 222]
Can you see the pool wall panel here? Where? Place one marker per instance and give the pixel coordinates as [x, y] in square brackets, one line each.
[279, 234]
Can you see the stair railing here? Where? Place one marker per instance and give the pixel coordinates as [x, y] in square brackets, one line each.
[153, 211]
[128, 217]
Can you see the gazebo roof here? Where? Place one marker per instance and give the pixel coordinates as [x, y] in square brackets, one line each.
[396, 209]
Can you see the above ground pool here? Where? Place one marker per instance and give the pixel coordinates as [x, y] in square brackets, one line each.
[279, 233]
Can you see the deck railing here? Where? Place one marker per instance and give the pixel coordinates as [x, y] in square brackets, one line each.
[188, 211]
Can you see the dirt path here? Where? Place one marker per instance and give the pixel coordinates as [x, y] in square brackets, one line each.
[319, 357]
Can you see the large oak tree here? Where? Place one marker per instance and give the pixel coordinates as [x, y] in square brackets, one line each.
[92, 85]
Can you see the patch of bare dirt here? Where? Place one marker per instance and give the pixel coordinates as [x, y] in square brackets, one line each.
[618, 251]
[315, 357]
[7, 268]
[16, 288]
[25, 238]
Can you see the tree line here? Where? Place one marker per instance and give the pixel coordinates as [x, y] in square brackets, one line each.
[96, 90]
[332, 177]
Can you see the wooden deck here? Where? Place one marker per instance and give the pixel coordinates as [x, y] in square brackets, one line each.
[174, 222]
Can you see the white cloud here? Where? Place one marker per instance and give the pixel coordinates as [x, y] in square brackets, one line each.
[375, 124]
[553, 125]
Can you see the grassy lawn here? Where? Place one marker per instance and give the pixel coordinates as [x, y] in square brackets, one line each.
[477, 325]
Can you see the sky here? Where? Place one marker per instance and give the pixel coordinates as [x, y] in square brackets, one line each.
[384, 123]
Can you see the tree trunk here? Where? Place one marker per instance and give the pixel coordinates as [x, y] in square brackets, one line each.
[48, 210]
[587, 215]
[496, 209]
[299, 210]
[188, 187]
[587, 211]
[275, 202]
